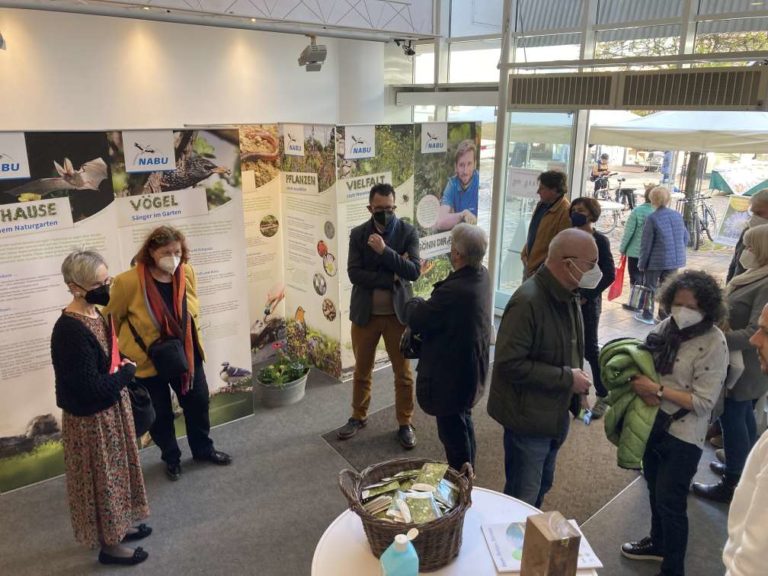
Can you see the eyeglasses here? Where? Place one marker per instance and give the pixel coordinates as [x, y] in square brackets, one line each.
[387, 209]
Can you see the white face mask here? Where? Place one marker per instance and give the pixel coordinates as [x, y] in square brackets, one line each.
[169, 263]
[685, 317]
[748, 259]
[756, 220]
[589, 279]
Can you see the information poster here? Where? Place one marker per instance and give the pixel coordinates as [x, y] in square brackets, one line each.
[66, 203]
[264, 224]
[203, 199]
[311, 244]
[734, 221]
[447, 191]
[391, 162]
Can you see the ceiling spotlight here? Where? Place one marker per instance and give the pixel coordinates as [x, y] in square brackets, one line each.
[313, 55]
[407, 46]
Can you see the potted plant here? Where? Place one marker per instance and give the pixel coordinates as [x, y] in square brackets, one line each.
[283, 381]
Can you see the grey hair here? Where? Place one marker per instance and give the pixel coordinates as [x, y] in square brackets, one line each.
[760, 197]
[471, 242]
[80, 267]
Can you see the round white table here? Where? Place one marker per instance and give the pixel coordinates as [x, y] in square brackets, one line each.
[343, 549]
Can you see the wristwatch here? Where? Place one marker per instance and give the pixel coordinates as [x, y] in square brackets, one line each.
[660, 392]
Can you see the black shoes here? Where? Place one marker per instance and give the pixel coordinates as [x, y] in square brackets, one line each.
[142, 531]
[215, 457]
[717, 467]
[350, 428]
[641, 550]
[173, 470]
[139, 555]
[720, 492]
[407, 436]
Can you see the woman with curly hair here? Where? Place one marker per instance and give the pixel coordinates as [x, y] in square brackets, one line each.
[691, 357]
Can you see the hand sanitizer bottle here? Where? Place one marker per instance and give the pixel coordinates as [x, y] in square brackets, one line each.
[400, 559]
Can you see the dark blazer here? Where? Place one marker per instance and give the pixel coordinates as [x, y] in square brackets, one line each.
[368, 270]
[455, 326]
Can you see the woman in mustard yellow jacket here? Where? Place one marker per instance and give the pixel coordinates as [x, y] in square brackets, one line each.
[157, 301]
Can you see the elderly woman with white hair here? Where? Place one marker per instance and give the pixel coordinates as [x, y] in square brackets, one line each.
[103, 471]
[746, 295]
[455, 328]
[663, 246]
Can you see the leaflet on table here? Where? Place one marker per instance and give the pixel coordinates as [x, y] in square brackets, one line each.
[66, 203]
[311, 245]
[264, 225]
[505, 543]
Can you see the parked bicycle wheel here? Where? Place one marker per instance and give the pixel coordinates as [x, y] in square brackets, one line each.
[709, 222]
[608, 221]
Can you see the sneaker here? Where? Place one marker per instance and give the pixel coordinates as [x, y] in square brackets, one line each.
[599, 408]
[720, 455]
[641, 550]
[407, 436]
[350, 428]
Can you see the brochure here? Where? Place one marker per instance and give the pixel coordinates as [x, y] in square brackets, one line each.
[505, 541]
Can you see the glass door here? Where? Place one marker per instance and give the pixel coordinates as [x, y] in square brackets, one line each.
[538, 141]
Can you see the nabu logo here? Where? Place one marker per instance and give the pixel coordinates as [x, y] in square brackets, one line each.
[292, 145]
[359, 146]
[8, 163]
[434, 143]
[146, 156]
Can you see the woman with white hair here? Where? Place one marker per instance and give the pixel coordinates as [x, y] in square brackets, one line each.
[663, 246]
[746, 295]
[455, 328]
[104, 479]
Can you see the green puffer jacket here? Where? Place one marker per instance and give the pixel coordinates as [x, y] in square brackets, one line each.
[628, 420]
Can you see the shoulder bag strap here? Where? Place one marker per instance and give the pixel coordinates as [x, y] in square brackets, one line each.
[136, 336]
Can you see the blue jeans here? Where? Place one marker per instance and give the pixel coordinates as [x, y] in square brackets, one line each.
[529, 465]
[457, 433]
[590, 312]
[669, 465]
[739, 435]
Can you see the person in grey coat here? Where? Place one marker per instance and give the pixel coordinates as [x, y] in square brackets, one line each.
[746, 295]
[664, 243]
[455, 329]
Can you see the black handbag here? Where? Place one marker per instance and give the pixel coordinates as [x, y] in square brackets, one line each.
[410, 344]
[167, 354]
[662, 423]
[143, 410]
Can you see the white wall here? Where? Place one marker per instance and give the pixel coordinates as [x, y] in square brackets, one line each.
[76, 72]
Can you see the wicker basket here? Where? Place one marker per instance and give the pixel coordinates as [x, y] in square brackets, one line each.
[439, 541]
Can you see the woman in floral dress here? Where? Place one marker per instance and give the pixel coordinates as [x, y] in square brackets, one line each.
[104, 478]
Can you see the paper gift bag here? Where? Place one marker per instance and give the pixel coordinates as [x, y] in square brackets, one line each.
[550, 546]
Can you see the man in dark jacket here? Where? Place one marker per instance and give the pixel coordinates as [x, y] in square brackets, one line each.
[455, 329]
[383, 253]
[537, 364]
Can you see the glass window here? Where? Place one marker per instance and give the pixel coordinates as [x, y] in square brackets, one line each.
[424, 64]
[642, 41]
[548, 48]
[730, 6]
[738, 35]
[538, 141]
[542, 15]
[620, 11]
[474, 61]
[424, 113]
[476, 17]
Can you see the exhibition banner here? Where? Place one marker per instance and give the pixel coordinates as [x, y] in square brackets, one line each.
[67, 203]
[311, 245]
[264, 225]
[447, 192]
[202, 197]
[149, 150]
[392, 164]
[13, 156]
[734, 221]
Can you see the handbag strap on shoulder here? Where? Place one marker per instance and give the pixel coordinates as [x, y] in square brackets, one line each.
[136, 336]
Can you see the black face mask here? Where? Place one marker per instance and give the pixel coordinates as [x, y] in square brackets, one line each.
[383, 218]
[578, 219]
[98, 296]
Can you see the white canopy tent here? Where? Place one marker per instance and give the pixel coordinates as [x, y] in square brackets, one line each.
[556, 127]
[692, 131]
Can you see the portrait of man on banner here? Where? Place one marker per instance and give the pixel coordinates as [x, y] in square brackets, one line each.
[460, 196]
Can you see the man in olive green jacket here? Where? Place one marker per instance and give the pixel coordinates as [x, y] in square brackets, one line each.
[537, 365]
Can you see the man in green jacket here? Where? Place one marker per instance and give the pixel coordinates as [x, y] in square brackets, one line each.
[537, 365]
